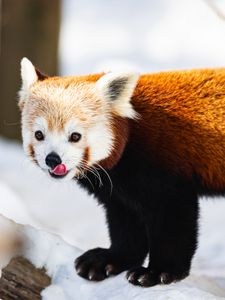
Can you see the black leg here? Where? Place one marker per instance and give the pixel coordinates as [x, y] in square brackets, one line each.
[129, 245]
[172, 226]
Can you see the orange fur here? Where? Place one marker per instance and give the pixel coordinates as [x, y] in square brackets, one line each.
[183, 122]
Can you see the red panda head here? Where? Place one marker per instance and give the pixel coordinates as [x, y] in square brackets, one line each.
[72, 123]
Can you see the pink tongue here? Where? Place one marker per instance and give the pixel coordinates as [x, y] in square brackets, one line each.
[59, 170]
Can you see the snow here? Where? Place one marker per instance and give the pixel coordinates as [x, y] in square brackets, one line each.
[49, 250]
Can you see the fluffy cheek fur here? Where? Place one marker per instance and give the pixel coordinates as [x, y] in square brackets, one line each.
[100, 142]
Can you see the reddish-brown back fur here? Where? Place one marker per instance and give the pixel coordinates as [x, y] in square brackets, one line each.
[182, 122]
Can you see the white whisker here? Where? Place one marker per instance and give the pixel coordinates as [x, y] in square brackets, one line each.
[107, 176]
[93, 171]
[85, 176]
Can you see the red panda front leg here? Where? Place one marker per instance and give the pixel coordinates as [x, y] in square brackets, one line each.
[128, 248]
[172, 224]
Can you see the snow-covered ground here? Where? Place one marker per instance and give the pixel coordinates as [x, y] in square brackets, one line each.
[148, 36]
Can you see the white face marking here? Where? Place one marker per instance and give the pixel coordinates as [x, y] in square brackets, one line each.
[98, 139]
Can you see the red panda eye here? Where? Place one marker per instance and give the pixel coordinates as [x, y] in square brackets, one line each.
[39, 135]
[75, 137]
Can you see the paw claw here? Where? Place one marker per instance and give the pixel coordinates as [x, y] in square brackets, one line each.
[130, 277]
[110, 270]
[141, 279]
[91, 275]
[165, 278]
[78, 270]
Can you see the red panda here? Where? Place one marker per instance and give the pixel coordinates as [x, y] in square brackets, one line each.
[146, 146]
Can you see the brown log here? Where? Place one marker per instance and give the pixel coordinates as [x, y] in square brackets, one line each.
[22, 281]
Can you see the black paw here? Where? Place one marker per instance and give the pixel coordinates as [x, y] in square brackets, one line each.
[146, 277]
[97, 264]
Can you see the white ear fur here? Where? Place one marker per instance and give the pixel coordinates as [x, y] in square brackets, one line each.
[117, 88]
[28, 73]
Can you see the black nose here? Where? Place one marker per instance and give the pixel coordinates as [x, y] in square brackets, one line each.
[52, 160]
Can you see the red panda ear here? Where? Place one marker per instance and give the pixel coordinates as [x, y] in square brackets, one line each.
[118, 88]
[29, 73]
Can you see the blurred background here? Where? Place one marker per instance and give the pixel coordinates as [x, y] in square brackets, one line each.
[77, 37]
